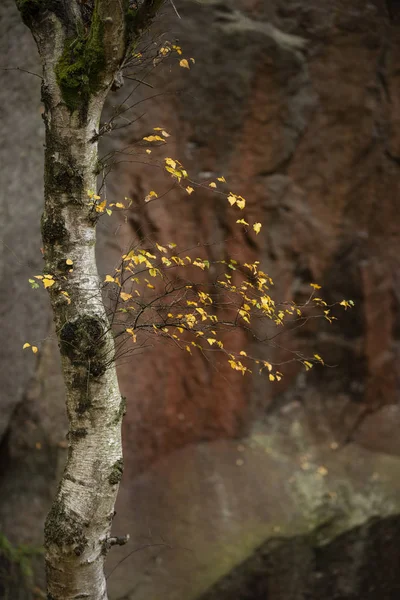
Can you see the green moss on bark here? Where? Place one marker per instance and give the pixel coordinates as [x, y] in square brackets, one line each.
[80, 66]
[120, 412]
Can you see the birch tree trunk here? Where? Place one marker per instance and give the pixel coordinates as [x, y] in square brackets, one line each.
[82, 46]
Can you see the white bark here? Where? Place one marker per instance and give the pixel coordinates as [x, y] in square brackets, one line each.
[82, 47]
[78, 526]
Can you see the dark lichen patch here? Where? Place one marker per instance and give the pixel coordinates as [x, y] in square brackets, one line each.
[80, 66]
[33, 9]
[82, 341]
[63, 172]
[116, 472]
[83, 405]
[30, 9]
[137, 20]
[79, 433]
[66, 178]
[64, 529]
[53, 228]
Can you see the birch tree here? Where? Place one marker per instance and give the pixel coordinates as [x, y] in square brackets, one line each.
[83, 45]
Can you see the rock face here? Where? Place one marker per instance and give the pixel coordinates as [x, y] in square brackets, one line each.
[281, 514]
[297, 104]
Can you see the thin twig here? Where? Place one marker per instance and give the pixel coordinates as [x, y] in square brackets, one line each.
[22, 71]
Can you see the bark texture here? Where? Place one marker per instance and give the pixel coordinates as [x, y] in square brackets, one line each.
[82, 47]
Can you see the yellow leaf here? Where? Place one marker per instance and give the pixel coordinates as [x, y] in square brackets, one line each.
[184, 63]
[257, 227]
[150, 196]
[232, 199]
[125, 296]
[189, 190]
[212, 184]
[242, 222]
[69, 261]
[101, 207]
[66, 295]
[26, 345]
[315, 286]
[222, 179]
[34, 349]
[211, 341]
[120, 205]
[242, 353]
[109, 279]
[170, 162]
[149, 285]
[161, 248]
[271, 377]
[132, 333]
[153, 138]
[164, 133]
[241, 203]
[148, 151]
[47, 282]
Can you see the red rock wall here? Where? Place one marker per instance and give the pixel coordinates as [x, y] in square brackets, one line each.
[297, 104]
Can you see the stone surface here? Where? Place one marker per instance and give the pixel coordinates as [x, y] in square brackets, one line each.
[297, 104]
[284, 494]
[23, 314]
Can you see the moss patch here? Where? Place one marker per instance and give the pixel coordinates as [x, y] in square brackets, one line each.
[79, 68]
[116, 472]
[120, 412]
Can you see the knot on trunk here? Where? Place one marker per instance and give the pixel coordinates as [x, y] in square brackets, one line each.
[83, 342]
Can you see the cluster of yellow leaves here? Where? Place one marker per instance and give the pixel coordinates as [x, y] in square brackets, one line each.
[33, 348]
[176, 170]
[239, 201]
[193, 316]
[103, 206]
[47, 280]
[167, 48]
[196, 316]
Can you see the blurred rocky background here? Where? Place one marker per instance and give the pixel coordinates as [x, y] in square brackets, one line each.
[233, 487]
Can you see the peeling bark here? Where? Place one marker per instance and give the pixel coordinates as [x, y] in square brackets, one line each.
[82, 50]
